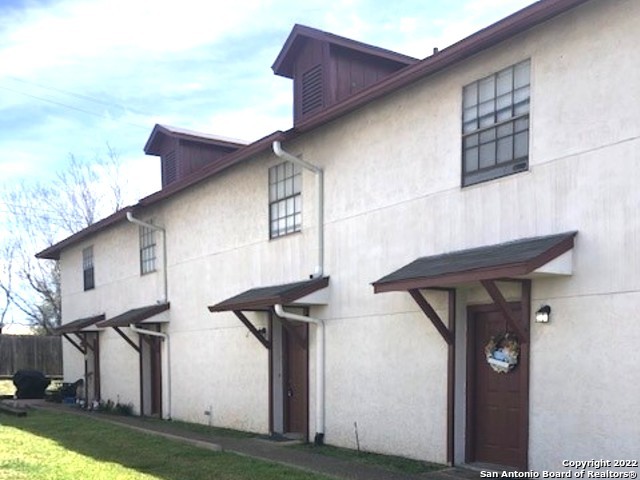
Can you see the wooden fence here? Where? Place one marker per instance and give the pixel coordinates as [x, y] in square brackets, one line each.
[30, 352]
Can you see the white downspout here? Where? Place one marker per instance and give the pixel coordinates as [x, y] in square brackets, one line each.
[164, 336]
[319, 323]
[131, 218]
[140, 331]
[277, 149]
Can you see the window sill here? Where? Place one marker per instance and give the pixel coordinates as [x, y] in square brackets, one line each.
[495, 173]
[493, 179]
[285, 235]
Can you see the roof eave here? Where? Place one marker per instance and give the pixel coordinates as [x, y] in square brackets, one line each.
[208, 171]
[152, 147]
[283, 64]
[53, 252]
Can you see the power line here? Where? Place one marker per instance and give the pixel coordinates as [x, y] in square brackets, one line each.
[60, 104]
[78, 95]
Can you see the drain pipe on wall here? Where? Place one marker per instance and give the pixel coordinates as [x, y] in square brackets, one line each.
[277, 149]
[140, 331]
[165, 337]
[319, 323]
[131, 218]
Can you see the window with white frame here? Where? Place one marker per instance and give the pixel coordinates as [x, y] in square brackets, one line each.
[147, 250]
[285, 200]
[87, 268]
[495, 125]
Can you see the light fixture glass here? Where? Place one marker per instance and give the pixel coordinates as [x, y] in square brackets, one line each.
[543, 314]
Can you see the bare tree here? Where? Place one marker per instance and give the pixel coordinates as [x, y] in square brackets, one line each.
[6, 273]
[40, 214]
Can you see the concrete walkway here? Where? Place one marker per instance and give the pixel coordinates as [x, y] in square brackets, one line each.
[268, 450]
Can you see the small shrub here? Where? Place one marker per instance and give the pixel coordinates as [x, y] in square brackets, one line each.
[106, 407]
[124, 409]
[115, 408]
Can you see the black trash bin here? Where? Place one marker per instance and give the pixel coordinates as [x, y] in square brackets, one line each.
[30, 384]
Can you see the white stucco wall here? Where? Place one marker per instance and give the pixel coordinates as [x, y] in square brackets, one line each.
[392, 190]
[119, 287]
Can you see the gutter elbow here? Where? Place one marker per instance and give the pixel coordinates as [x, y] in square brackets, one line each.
[277, 148]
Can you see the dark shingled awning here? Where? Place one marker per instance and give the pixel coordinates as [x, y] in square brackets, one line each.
[78, 325]
[503, 260]
[134, 316]
[263, 298]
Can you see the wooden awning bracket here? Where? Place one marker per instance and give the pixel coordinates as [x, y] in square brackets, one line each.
[428, 310]
[501, 303]
[254, 331]
[82, 336]
[73, 342]
[127, 339]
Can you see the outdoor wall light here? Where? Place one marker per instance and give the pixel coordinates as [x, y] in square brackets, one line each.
[543, 314]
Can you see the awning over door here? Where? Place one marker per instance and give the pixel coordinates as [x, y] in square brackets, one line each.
[79, 328]
[514, 259]
[79, 325]
[305, 293]
[136, 315]
[518, 260]
[264, 298]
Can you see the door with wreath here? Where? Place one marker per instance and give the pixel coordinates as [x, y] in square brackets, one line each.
[498, 390]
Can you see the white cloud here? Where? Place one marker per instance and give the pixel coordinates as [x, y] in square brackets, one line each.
[253, 124]
[74, 31]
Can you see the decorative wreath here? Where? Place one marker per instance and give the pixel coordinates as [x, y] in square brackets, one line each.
[502, 352]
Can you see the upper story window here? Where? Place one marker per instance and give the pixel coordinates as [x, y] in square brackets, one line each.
[147, 250]
[285, 201]
[495, 125]
[87, 268]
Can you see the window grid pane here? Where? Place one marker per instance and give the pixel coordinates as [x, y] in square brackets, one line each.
[147, 250]
[285, 205]
[87, 268]
[495, 124]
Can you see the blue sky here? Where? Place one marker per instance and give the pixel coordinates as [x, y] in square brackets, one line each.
[78, 74]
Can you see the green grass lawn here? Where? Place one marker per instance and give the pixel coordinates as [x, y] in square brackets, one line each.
[60, 446]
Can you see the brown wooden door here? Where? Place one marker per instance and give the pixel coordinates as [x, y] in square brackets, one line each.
[155, 344]
[497, 412]
[296, 378]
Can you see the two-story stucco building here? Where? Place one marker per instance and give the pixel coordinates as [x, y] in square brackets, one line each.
[441, 251]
